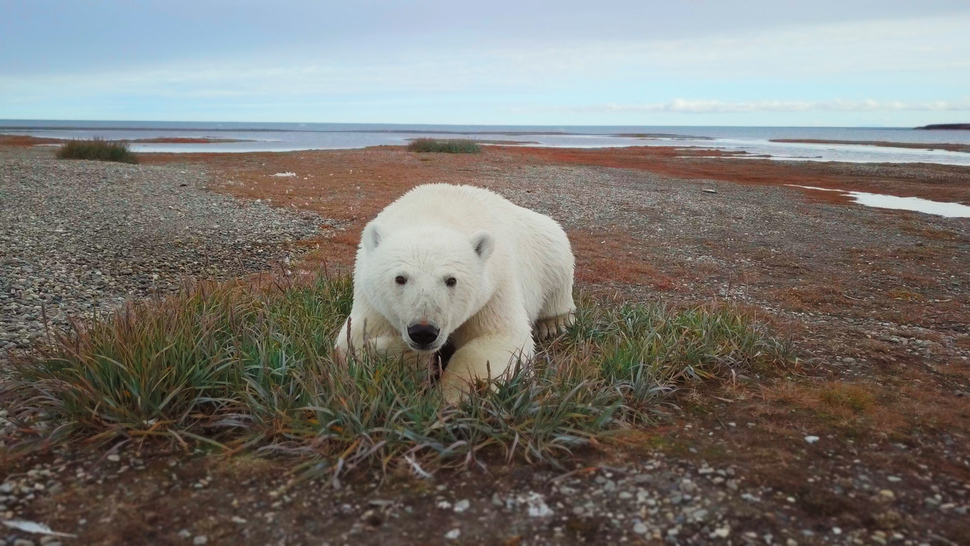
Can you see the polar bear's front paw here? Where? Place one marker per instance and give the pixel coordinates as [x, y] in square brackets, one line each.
[452, 394]
[553, 326]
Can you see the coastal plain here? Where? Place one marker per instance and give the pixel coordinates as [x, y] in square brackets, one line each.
[865, 440]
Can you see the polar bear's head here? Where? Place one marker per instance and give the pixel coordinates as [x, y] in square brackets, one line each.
[425, 281]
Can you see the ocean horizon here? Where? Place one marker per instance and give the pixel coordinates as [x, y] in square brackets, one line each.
[750, 141]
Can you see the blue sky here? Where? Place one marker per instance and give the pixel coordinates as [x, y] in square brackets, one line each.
[689, 62]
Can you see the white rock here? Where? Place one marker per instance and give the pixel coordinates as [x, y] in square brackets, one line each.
[453, 534]
[811, 439]
[537, 505]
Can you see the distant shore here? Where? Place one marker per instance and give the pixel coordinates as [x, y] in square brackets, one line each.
[946, 127]
[882, 143]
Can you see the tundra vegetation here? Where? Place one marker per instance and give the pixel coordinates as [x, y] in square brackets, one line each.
[97, 149]
[248, 366]
[450, 146]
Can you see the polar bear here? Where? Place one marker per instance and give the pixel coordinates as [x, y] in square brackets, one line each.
[463, 266]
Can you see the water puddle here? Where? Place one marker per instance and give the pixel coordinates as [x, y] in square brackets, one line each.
[916, 204]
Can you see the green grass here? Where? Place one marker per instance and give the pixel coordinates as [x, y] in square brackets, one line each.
[249, 367]
[452, 146]
[97, 149]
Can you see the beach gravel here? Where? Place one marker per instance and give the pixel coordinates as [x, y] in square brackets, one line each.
[78, 238]
[874, 301]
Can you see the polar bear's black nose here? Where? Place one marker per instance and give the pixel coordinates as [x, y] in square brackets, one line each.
[423, 334]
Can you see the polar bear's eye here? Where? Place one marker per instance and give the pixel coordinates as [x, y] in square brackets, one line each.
[401, 279]
[451, 281]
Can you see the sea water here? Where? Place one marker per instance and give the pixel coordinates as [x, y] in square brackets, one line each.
[916, 204]
[753, 142]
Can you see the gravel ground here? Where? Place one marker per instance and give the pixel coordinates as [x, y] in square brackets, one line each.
[873, 297]
[80, 237]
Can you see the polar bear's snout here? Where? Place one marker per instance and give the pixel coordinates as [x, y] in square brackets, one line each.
[423, 334]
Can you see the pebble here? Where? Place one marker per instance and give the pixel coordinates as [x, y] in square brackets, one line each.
[453, 534]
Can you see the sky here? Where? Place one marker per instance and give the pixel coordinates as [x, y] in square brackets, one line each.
[624, 62]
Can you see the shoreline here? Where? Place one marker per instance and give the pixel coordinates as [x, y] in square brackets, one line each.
[881, 143]
[634, 141]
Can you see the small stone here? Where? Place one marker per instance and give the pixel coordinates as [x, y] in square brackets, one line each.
[811, 439]
[453, 534]
[184, 533]
[721, 532]
[462, 505]
[239, 520]
[200, 540]
[114, 457]
[639, 528]
[887, 494]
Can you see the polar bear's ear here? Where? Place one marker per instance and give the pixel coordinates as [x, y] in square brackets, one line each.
[483, 243]
[372, 236]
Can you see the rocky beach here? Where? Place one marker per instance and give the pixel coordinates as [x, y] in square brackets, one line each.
[866, 441]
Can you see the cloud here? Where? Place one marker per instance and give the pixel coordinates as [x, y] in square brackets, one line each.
[935, 48]
[724, 107]
[923, 61]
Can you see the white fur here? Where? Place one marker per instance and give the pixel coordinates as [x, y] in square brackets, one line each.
[513, 270]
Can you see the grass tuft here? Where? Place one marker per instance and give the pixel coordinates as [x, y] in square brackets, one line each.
[451, 146]
[97, 149]
[846, 396]
[249, 367]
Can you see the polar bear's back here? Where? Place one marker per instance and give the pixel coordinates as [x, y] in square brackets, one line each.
[456, 206]
[467, 209]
